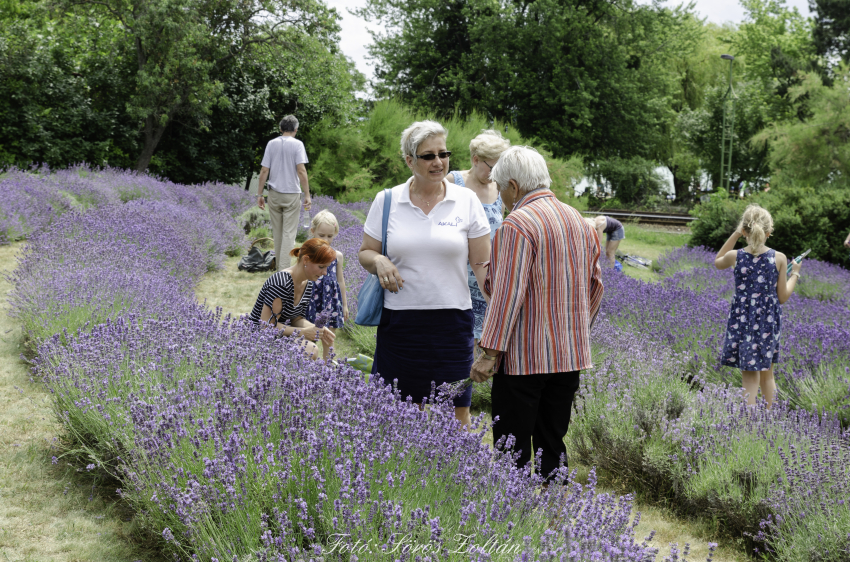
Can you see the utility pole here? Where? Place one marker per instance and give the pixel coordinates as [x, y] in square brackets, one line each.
[729, 100]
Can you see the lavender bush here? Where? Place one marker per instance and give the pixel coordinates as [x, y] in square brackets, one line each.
[34, 199]
[239, 446]
[688, 309]
[229, 442]
[659, 412]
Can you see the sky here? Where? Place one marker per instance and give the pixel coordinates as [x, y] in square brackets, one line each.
[354, 36]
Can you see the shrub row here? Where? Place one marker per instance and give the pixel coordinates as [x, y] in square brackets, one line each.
[231, 445]
[803, 218]
[659, 412]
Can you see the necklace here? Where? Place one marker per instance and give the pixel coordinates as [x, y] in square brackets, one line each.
[428, 203]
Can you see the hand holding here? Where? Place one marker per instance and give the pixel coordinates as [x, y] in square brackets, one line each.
[308, 203]
[483, 368]
[345, 313]
[327, 336]
[388, 274]
[261, 202]
[795, 267]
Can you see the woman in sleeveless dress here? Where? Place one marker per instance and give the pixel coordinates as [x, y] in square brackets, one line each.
[485, 150]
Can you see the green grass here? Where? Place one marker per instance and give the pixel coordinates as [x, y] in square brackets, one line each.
[647, 241]
[49, 511]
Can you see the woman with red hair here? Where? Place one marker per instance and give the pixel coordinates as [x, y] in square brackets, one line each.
[283, 300]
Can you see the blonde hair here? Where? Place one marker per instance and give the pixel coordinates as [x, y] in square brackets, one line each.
[756, 224]
[489, 145]
[324, 217]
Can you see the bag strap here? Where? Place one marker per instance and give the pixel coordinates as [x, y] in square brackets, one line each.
[388, 199]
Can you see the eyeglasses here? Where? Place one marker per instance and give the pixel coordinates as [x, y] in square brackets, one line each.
[488, 165]
[429, 157]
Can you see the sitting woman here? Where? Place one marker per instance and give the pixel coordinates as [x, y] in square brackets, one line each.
[283, 300]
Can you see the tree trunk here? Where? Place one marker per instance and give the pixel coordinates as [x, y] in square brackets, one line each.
[680, 187]
[153, 133]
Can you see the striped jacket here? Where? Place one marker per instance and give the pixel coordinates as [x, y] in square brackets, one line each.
[545, 285]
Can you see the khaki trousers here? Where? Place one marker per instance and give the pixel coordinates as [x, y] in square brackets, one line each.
[284, 212]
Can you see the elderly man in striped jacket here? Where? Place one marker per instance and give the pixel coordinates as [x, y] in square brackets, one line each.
[545, 288]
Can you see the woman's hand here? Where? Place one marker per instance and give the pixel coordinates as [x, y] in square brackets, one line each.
[847, 242]
[483, 368]
[388, 274]
[314, 334]
[345, 313]
[795, 267]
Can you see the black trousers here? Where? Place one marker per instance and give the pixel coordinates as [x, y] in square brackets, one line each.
[535, 407]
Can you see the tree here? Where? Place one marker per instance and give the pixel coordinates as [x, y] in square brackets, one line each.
[579, 76]
[832, 28]
[259, 92]
[774, 43]
[182, 48]
[815, 152]
[60, 91]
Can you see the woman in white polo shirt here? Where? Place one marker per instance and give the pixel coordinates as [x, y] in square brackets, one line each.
[434, 229]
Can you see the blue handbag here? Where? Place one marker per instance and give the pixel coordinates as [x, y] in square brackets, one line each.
[370, 300]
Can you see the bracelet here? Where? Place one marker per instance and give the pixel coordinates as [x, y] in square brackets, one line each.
[797, 274]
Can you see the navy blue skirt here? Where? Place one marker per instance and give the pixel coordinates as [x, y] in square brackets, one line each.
[420, 346]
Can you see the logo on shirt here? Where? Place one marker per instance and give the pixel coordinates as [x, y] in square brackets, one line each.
[458, 220]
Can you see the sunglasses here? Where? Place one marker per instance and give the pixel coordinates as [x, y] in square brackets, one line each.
[429, 157]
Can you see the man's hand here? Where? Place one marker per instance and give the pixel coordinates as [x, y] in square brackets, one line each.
[307, 202]
[261, 202]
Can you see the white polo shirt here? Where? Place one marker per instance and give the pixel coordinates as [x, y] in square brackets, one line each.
[430, 251]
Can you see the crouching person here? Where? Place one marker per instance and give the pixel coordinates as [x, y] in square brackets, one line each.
[544, 282]
[284, 298]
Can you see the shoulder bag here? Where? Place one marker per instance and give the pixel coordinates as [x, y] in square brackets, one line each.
[370, 300]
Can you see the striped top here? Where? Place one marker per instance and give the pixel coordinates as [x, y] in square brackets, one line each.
[280, 286]
[546, 287]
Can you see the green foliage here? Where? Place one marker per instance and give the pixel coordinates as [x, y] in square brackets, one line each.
[831, 31]
[362, 338]
[582, 77]
[181, 47]
[181, 88]
[59, 94]
[815, 151]
[802, 218]
[632, 180]
[354, 162]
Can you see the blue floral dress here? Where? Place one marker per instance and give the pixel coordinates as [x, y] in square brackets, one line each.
[755, 317]
[479, 305]
[326, 301]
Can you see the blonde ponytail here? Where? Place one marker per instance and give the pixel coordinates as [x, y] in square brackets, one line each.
[756, 225]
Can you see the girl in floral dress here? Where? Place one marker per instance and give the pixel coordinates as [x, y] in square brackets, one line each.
[755, 315]
[329, 301]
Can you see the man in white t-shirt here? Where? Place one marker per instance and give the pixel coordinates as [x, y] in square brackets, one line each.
[284, 167]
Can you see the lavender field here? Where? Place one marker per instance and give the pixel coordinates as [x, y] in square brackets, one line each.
[229, 444]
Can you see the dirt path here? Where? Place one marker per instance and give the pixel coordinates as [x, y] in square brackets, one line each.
[47, 511]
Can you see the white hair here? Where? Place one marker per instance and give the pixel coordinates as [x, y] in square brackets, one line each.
[489, 145]
[416, 134]
[525, 166]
